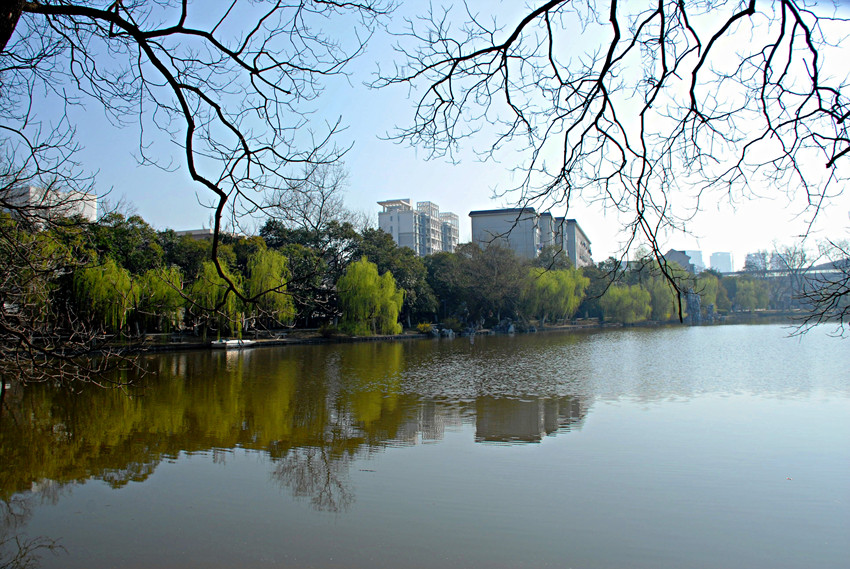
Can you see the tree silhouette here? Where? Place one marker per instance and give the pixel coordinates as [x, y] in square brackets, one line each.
[229, 84]
[649, 108]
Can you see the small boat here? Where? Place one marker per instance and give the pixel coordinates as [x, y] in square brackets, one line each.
[231, 344]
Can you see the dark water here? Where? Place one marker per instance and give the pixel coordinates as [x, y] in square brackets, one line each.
[680, 447]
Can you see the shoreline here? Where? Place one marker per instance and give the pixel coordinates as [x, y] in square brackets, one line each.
[312, 336]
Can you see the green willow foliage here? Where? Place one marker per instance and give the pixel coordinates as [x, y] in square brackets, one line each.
[627, 304]
[268, 275]
[161, 300]
[370, 302]
[554, 292]
[107, 293]
[708, 287]
[212, 304]
[664, 302]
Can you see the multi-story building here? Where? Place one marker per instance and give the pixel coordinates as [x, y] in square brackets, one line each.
[696, 259]
[722, 262]
[425, 229]
[681, 258]
[517, 229]
[450, 226]
[571, 239]
[46, 203]
[203, 234]
[526, 232]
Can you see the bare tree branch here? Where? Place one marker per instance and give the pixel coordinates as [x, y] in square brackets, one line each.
[649, 108]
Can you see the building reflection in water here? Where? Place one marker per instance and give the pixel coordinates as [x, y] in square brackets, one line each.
[525, 420]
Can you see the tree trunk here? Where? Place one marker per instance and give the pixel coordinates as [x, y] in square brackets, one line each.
[9, 17]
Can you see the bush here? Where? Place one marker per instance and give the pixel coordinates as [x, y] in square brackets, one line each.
[328, 330]
[453, 324]
[424, 327]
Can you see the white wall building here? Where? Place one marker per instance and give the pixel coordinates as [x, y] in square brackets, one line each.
[50, 203]
[425, 229]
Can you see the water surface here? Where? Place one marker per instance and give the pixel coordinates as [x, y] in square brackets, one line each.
[675, 447]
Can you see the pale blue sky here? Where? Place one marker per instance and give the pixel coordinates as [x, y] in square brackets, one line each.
[382, 170]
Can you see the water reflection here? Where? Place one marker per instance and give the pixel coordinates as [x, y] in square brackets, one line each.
[318, 474]
[512, 420]
[17, 549]
[312, 411]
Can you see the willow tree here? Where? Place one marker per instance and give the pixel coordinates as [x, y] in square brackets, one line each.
[554, 292]
[212, 301]
[370, 302]
[160, 297]
[266, 284]
[751, 294]
[626, 304]
[107, 293]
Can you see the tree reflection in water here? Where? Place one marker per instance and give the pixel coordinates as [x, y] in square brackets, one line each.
[317, 473]
[17, 550]
[312, 412]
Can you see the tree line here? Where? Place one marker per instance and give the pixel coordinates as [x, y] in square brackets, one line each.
[125, 279]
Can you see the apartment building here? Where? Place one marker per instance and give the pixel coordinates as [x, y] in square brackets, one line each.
[517, 229]
[425, 229]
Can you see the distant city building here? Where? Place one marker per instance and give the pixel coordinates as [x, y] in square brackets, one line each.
[722, 262]
[50, 203]
[196, 234]
[682, 258]
[526, 232]
[425, 229]
[696, 259]
[756, 261]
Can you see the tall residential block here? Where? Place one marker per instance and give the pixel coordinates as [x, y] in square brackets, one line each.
[425, 229]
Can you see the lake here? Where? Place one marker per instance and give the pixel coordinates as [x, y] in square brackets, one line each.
[725, 446]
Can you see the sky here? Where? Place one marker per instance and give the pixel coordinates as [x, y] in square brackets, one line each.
[380, 169]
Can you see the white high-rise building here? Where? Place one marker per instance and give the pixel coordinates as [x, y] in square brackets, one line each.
[51, 203]
[425, 229]
[573, 241]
